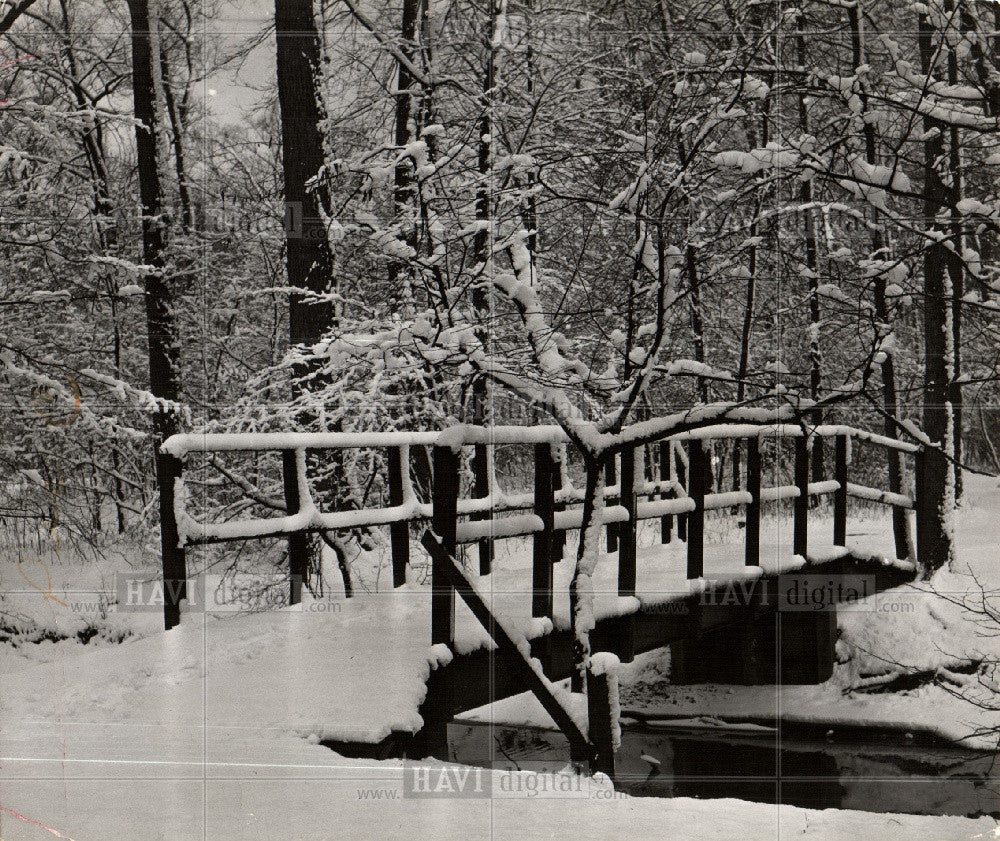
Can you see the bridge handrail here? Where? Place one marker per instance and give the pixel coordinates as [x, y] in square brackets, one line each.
[681, 491]
[216, 442]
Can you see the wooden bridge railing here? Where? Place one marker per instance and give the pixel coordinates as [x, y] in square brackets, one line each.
[681, 490]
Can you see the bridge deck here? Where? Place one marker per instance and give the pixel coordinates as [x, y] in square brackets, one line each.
[312, 672]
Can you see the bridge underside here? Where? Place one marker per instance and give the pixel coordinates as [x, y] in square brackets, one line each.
[728, 633]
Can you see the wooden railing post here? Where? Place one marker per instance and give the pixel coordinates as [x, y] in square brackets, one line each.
[752, 545]
[444, 521]
[666, 474]
[559, 536]
[682, 520]
[698, 467]
[920, 506]
[399, 532]
[168, 472]
[602, 694]
[481, 489]
[298, 542]
[840, 495]
[627, 532]
[801, 507]
[544, 508]
[611, 530]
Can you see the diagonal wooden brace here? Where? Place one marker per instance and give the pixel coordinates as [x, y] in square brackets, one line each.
[580, 745]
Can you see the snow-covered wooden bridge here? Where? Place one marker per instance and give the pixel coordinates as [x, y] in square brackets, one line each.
[722, 607]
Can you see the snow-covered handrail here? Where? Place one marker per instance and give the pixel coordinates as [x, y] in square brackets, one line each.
[467, 435]
[684, 493]
[219, 442]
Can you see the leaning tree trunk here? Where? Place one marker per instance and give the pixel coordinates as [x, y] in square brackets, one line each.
[581, 588]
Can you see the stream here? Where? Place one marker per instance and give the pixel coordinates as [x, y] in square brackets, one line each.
[811, 766]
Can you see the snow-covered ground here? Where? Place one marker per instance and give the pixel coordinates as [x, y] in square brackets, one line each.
[211, 730]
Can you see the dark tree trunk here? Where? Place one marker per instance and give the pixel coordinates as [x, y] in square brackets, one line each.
[933, 538]
[164, 353]
[481, 256]
[812, 264]
[307, 251]
[308, 259]
[405, 187]
[162, 334]
[956, 273]
[890, 400]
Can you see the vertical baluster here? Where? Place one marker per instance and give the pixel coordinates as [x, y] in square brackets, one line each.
[924, 511]
[399, 532]
[666, 474]
[611, 530]
[444, 521]
[544, 508]
[559, 536]
[682, 519]
[627, 531]
[752, 546]
[801, 507]
[698, 467]
[840, 495]
[481, 470]
[298, 542]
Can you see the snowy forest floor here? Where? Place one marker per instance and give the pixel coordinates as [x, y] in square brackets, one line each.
[211, 730]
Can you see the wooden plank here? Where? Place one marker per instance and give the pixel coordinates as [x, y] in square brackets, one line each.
[801, 504]
[579, 744]
[697, 482]
[399, 532]
[444, 521]
[627, 530]
[544, 509]
[840, 496]
[168, 473]
[666, 521]
[752, 541]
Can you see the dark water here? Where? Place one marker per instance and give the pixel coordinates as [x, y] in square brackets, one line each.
[872, 771]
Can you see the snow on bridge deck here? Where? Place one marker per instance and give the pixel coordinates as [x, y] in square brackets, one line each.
[338, 669]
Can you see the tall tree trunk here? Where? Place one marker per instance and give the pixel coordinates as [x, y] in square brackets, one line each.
[308, 259]
[405, 132]
[890, 400]
[307, 251]
[163, 345]
[956, 266]
[481, 249]
[812, 266]
[937, 491]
